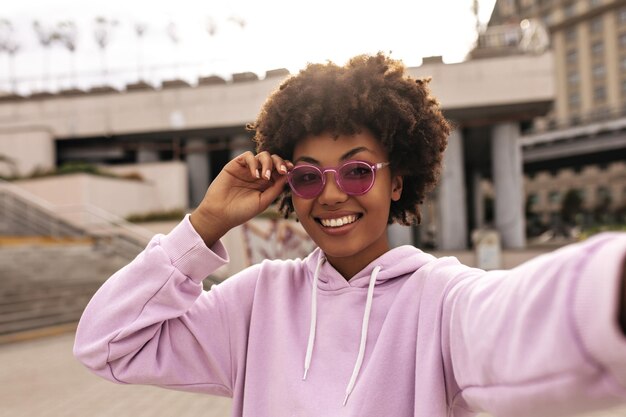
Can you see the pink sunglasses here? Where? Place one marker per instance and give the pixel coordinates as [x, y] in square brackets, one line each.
[352, 177]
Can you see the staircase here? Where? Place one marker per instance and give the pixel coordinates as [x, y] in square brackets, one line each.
[43, 286]
[50, 264]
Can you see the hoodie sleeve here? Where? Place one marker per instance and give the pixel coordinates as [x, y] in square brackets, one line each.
[542, 339]
[151, 322]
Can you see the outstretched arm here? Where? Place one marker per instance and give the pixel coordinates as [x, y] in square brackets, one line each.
[622, 304]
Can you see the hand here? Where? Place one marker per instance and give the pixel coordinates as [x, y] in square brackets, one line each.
[245, 187]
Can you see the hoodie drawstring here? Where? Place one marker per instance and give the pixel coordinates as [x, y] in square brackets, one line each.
[364, 327]
[309, 347]
[366, 319]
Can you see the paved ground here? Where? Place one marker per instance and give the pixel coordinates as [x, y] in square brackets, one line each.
[40, 378]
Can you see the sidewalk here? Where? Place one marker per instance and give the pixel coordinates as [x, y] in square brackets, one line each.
[40, 378]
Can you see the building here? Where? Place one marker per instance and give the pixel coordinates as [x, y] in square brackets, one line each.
[580, 146]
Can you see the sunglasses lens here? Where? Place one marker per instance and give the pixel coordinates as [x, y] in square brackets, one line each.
[306, 181]
[356, 177]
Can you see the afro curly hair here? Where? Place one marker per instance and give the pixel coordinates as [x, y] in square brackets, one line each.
[369, 92]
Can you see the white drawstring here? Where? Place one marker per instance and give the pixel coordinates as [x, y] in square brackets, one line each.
[366, 319]
[309, 348]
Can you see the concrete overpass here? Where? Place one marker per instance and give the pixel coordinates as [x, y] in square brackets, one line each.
[488, 100]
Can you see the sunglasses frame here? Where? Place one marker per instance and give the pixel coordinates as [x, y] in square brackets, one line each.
[335, 171]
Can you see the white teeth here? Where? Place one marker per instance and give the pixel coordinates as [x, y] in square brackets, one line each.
[338, 222]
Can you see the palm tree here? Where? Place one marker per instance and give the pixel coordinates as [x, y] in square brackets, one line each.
[46, 37]
[140, 31]
[172, 33]
[67, 32]
[9, 44]
[102, 34]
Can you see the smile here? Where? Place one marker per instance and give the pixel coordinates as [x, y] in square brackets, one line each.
[341, 221]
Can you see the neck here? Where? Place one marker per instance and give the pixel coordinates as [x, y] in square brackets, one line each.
[349, 266]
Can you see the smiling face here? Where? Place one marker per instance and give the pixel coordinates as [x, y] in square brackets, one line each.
[351, 230]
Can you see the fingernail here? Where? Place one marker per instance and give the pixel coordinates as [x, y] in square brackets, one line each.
[257, 174]
[268, 174]
[283, 168]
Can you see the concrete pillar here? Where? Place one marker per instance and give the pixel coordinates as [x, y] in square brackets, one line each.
[240, 144]
[399, 235]
[452, 221]
[145, 155]
[508, 185]
[198, 166]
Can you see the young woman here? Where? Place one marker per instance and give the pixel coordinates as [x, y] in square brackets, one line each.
[357, 328]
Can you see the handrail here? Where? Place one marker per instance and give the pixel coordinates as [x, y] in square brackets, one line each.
[60, 212]
[108, 217]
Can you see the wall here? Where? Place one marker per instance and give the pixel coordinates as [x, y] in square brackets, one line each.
[168, 178]
[30, 150]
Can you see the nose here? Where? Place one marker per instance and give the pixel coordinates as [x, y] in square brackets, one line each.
[331, 193]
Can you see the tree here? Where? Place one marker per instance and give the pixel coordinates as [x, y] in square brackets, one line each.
[46, 37]
[9, 45]
[571, 207]
[102, 34]
[140, 31]
[67, 33]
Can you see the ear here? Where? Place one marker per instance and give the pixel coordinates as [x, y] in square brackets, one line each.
[396, 187]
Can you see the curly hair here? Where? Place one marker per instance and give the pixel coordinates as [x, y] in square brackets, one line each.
[369, 92]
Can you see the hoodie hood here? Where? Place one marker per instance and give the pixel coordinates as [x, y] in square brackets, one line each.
[393, 264]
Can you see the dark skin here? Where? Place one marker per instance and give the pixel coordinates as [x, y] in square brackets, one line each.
[249, 184]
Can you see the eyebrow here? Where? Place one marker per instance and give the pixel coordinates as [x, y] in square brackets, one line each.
[345, 156]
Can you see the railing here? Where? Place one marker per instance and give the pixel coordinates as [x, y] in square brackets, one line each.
[24, 213]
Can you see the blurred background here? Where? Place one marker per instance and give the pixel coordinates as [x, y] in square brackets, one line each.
[115, 116]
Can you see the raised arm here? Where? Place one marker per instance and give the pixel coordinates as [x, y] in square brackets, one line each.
[151, 322]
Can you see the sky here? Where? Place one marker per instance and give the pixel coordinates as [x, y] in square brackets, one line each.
[247, 35]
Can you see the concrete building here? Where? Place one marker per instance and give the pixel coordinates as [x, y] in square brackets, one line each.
[203, 126]
[580, 145]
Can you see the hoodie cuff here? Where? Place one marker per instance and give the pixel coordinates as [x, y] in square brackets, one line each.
[597, 304]
[189, 254]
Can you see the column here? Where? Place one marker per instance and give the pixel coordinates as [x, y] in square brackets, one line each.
[506, 156]
[146, 154]
[399, 235]
[240, 144]
[198, 166]
[452, 221]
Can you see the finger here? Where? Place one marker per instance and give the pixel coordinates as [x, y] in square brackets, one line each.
[280, 164]
[266, 164]
[272, 192]
[248, 159]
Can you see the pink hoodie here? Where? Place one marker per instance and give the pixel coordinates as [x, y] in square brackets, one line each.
[409, 335]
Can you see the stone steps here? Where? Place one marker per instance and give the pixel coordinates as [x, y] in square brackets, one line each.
[48, 285]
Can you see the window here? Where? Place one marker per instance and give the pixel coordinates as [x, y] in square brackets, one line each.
[572, 56]
[554, 197]
[599, 93]
[574, 100]
[599, 71]
[621, 17]
[573, 78]
[622, 40]
[603, 194]
[597, 48]
[595, 26]
[594, 3]
[624, 87]
[569, 9]
[571, 34]
[623, 63]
